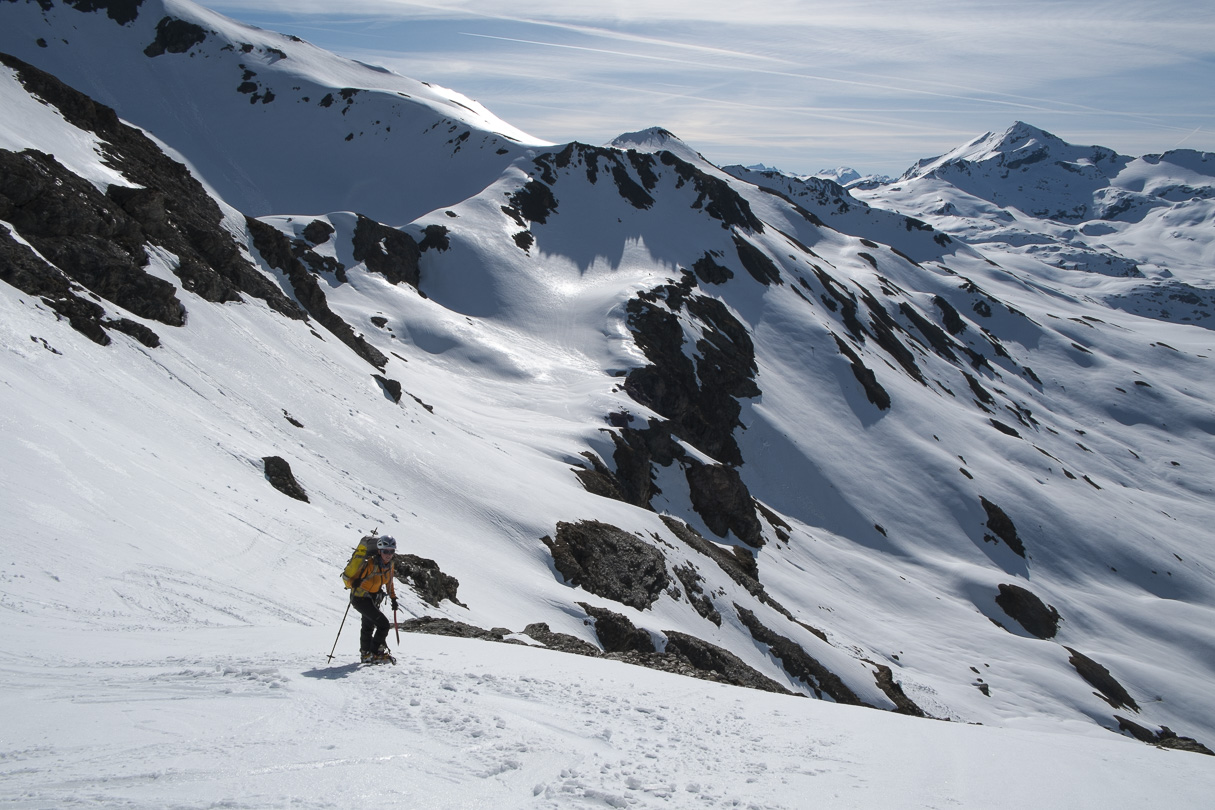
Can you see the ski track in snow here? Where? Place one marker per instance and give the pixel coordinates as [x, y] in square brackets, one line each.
[172, 719]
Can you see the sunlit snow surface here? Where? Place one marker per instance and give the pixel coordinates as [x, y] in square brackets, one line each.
[242, 717]
[166, 614]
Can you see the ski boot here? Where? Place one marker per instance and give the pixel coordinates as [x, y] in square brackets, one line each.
[382, 656]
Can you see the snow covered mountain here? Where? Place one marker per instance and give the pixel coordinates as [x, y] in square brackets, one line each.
[613, 400]
[271, 122]
[1142, 222]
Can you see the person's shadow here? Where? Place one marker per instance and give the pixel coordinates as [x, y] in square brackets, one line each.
[331, 673]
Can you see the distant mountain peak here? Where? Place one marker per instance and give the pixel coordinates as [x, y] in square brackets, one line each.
[1021, 131]
[841, 174]
[650, 137]
[1019, 140]
[1022, 147]
[657, 139]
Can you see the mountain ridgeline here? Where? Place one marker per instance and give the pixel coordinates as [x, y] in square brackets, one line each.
[939, 446]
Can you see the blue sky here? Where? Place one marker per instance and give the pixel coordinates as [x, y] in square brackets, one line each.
[802, 85]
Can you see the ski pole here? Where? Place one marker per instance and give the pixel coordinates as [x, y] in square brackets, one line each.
[339, 633]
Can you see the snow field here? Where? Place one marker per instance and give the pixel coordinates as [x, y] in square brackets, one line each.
[255, 717]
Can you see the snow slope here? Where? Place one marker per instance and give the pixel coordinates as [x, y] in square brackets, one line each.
[889, 429]
[244, 717]
[273, 123]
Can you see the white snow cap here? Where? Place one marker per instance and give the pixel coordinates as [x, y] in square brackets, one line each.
[657, 139]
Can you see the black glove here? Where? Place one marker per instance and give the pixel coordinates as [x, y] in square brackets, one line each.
[394, 604]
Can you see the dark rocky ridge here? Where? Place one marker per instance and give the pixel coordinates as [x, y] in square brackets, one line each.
[99, 240]
[874, 391]
[120, 11]
[87, 236]
[23, 269]
[277, 250]
[699, 403]
[616, 633]
[739, 566]
[691, 581]
[723, 501]
[797, 662]
[893, 690]
[635, 175]
[709, 658]
[1099, 678]
[684, 655]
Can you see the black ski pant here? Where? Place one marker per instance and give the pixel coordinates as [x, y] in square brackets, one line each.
[374, 632]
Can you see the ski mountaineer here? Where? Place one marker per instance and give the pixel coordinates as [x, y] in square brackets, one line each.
[366, 594]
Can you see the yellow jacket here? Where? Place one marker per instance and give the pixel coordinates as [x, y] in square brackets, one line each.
[373, 575]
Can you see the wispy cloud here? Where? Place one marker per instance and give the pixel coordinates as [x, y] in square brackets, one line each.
[797, 83]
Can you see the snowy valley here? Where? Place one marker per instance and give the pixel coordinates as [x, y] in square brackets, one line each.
[715, 486]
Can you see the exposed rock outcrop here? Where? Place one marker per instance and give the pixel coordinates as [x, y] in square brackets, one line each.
[691, 581]
[1100, 679]
[562, 642]
[1165, 737]
[449, 627]
[278, 473]
[120, 11]
[23, 269]
[175, 36]
[84, 233]
[739, 565]
[721, 498]
[1030, 612]
[700, 399]
[616, 633]
[1002, 526]
[392, 253]
[278, 252]
[711, 659]
[99, 240]
[684, 654]
[392, 388]
[797, 662]
[893, 690]
[426, 579]
[609, 562]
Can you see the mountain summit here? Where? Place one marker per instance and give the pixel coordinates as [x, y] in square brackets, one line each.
[1028, 168]
[657, 139]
